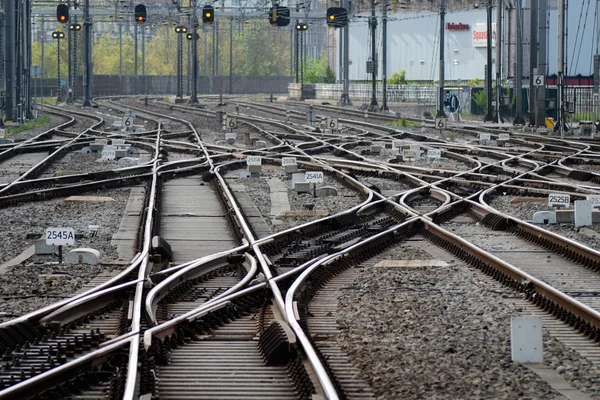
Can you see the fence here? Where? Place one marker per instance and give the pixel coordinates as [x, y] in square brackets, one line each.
[363, 92]
[107, 85]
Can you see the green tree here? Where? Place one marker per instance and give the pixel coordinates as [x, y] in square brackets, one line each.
[397, 78]
[318, 71]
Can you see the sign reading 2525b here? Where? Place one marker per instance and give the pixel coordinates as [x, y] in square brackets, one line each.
[60, 236]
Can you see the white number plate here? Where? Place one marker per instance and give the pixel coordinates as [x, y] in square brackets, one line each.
[60, 236]
[117, 142]
[440, 123]
[108, 153]
[103, 142]
[559, 199]
[594, 199]
[313, 176]
[397, 144]
[484, 136]
[127, 121]
[232, 122]
[332, 123]
[434, 153]
[406, 154]
[288, 161]
[504, 136]
[230, 136]
[254, 160]
[538, 80]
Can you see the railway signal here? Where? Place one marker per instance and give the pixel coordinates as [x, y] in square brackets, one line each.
[62, 13]
[75, 27]
[140, 13]
[279, 16]
[190, 36]
[208, 14]
[301, 27]
[337, 17]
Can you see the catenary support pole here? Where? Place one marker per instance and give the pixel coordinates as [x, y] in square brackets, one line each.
[442, 64]
[10, 71]
[533, 58]
[373, 25]
[231, 55]
[561, 68]
[540, 109]
[384, 107]
[489, 116]
[87, 53]
[346, 68]
[194, 97]
[498, 68]
[519, 120]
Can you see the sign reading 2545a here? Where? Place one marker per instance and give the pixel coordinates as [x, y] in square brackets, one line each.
[60, 236]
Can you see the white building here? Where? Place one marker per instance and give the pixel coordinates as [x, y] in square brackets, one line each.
[413, 43]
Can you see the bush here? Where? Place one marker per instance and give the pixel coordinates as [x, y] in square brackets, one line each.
[397, 78]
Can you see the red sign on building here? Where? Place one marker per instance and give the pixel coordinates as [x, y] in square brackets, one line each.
[451, 26]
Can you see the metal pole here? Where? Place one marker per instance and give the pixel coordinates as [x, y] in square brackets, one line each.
[519, 120]
[143, 27]
[206, 69]
[231, 55]
[540, 111]
[217, 50]
[499, 9]
[58, 66]
[561, 67]
[194, 97]
[43, 55]
[440, 111]
[488, 78]
[179, 66]
[75, 72]
[120, 49]
[297, 55]
[346, 93]
[533, 58]
[87, 50]
[9, 59]
[27, 60]
[70, 61]
[135, 58]
[384, 55]
[373, 24]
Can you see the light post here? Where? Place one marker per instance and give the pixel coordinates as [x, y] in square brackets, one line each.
[301, 28]
[58, 35]
[180, 30]
[73, 65]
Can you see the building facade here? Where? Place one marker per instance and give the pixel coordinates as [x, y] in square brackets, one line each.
[413, 42]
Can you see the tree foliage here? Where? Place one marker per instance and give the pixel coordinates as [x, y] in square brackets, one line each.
[258, 50]
[318, 71]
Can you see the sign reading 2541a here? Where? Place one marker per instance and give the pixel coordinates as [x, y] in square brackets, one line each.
[60, 236]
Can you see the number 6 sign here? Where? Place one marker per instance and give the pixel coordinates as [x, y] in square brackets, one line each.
[440, 123]
[332, 123]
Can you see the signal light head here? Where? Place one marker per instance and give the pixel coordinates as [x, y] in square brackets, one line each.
[208, 14]
[140, 14]
[62, 13]
[337, 17]
[58, 35]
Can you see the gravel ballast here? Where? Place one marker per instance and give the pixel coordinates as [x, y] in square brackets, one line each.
[443, 333]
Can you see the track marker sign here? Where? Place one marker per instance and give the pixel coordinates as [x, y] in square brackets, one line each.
[504, 137]
[314, 176]
[594, 199]
[332, 123]
[441, 123]
[484, 136]
[254, 160]
[539, 80]
[128, 121]
[60, 236]
[231, 122]
[109, 153]
[432, 154]
[559, 199]
[288, 161]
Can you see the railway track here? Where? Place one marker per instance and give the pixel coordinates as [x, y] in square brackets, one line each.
[214, 289]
